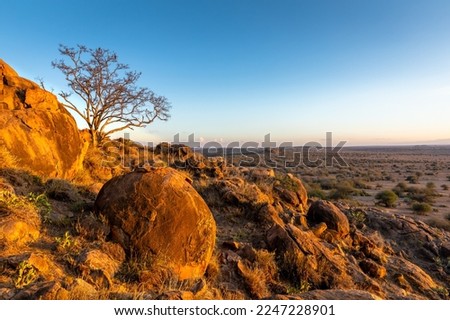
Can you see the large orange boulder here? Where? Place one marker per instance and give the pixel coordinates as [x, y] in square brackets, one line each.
[36, 130]
[158, 214]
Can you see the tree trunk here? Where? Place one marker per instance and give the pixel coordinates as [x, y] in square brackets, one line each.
[94, 138]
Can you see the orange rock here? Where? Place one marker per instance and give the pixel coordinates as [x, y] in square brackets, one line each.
[17, 231]
[158, 213]
[36, 129]
[41, 99]
[335, 219]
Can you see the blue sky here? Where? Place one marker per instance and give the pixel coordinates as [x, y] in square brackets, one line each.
[371, 72]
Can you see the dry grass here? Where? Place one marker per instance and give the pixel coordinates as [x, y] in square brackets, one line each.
[439, 223]
[18, 206]
[61, 190]
[265, 261]
[7, 160]
[294, 270]
[213, 269]
[255, 280]
[258, 275]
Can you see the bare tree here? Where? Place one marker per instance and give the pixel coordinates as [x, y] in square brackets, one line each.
[111, 99]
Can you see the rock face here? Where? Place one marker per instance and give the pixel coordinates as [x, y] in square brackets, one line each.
[36, 129]
[159, 214]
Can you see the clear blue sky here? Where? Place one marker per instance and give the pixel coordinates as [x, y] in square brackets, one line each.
[371, 72]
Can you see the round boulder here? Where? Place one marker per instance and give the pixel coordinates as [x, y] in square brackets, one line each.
[158, 213]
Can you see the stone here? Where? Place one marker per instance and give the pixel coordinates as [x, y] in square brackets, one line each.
[416, 277]
[373, 269]
[159, 214]
[37, 130]
[237, 191]
[319, 229]
[98, 266]
[289, 197]
[19, 225]
[45, 266]
[48, 290]
[291, 190]
[335, 294]
[81, 290]
[176, 295]
[332, 216]
[302, 253]
[445, 250]
[261, 173]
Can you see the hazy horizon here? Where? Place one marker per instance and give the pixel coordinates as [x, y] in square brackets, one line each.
[373, 73]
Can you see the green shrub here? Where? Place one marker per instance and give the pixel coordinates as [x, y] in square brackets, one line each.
[400, 189]
[359, 184]
[412, 179]
[316, 193]
[431, 186]
[25, 275]
[327, 184]
[287, 183]
[421, 207]
[426, 195]
[343, 191]
[387, 197]
[42, 204]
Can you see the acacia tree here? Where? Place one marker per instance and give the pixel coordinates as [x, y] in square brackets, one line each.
[112, 101]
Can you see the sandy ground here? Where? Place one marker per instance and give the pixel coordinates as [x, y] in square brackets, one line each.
[383, 168]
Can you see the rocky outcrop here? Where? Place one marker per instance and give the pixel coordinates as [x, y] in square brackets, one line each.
[180, 156]
[158, 215]
[35, 129]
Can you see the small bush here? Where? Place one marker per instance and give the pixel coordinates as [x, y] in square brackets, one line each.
[25, 275]
[400, 189]
[431, 186]
[287, 183]
[343, 191]
[421, 207]
[387, 197]
[359, 184]
[314, 190]
[41, 202]
[357, 217]
[412, 179]
[316, 193]
[444, 187]
[426, 195]
[327, 184]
